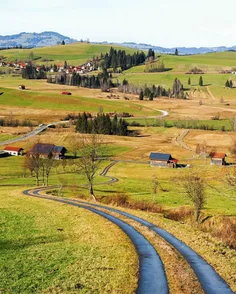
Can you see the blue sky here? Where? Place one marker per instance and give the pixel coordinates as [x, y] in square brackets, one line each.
[166, 23]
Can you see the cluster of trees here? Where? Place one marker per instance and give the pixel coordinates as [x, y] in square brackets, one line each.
[102, 81]
[157, 66]
[151, 54]
[39, 167]
[229, 84]
[119, 59]
[30, 72]
[101, 124]
[153, 91]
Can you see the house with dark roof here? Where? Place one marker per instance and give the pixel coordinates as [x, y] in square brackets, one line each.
[15, 151]
[162, 160]
[217, 158]
[47, 150]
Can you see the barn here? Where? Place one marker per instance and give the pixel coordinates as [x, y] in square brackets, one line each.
[218, 158]
[21, 87]
[47, 150]
[162, 160]
[15, 151]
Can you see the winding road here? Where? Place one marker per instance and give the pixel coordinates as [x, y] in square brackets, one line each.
[152, 277]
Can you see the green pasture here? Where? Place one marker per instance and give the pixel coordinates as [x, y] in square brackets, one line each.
[40, 100]
[138, 186]
[209, 62]
[47, 247]
[74, 54]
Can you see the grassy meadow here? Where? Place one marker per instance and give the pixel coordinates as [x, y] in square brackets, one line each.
[74, 54]
[46, 246]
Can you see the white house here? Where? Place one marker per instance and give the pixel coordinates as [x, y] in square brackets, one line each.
[15, 151]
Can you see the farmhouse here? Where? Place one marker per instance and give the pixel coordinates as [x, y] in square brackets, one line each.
[217, 158]
[15, 151]
[47, 150]
[21, 87]
[162, 159]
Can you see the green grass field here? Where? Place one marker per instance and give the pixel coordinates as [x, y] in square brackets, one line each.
[74, 54]
[48, 247]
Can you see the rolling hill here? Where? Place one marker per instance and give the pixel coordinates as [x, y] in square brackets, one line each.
[74, 54]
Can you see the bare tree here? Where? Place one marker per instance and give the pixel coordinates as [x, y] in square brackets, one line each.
[154, 186]
[92, 151]
[195, 188]
[33, 163]
[230, 177]
[233, 123]
[48, 165]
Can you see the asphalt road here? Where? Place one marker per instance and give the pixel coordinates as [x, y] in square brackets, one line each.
[36, 131]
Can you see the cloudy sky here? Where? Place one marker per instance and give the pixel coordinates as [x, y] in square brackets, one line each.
[168, 23]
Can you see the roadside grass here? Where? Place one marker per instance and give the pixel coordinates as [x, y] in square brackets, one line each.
[49, 247]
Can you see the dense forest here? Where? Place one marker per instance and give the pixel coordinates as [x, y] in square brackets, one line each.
[101, 124]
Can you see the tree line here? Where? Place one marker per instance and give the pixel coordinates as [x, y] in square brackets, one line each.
[101, 124]
[151, 92]
[102, 81]
[120, 59]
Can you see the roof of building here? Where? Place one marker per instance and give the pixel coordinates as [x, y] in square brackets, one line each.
[10, 148]
[42, 148]
[218, 155]
[160, 156]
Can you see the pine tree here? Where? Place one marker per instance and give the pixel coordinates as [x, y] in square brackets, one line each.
[151, 96]
[141, 95]
[176, 52]
[227, 84]
[201, 81]
[63, 42]
[189, 81]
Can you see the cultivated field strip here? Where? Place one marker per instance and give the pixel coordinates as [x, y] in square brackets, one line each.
[210, 281]
[152, 277]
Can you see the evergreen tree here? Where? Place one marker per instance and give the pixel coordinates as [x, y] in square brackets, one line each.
[176, 52]
[189, 81]
[227, 85]
[231, 83]
[141, 95]
[151, 96]
[63, 42]
[200, 81]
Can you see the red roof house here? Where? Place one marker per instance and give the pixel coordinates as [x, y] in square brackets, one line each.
[217, 158]
[16, 151]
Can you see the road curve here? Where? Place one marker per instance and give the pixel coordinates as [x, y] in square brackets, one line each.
[152, 277]
[210, 281]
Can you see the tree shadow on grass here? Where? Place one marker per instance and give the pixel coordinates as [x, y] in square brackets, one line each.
[27, 242]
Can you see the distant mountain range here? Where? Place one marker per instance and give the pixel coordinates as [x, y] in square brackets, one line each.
[53, 38]
[34, 39]
[181, 50]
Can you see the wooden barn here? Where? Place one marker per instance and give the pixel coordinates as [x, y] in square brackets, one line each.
[21, 87]
[217, 158]
[162, 160]
[47, 150]
[15, 151]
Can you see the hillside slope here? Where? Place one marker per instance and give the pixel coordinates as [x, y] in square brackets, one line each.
[74, 54]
